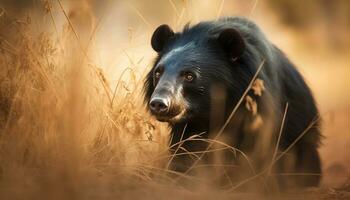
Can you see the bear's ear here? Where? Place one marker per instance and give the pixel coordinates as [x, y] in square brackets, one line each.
[161, 36]
[232, 42]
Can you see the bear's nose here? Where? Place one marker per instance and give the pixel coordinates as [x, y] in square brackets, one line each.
[159, 105]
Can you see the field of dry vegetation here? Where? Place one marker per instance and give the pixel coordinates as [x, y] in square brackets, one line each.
[72, 120]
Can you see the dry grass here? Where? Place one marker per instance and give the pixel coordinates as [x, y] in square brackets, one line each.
[67, 133]
[61, 129]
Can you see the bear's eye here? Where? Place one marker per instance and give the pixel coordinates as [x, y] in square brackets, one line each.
[157, 74]
[189, 76]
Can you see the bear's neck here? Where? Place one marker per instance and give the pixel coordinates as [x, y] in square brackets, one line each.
[183, 130]
[204, 129]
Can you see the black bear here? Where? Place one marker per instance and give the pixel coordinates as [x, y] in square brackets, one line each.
[212, 69]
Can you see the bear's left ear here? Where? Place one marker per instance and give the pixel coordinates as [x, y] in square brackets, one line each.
[232, 42]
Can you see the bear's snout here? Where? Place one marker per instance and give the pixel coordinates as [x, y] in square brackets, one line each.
[166, 103]
[159, 105]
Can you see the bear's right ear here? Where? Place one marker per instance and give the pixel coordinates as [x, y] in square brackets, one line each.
[161, 36]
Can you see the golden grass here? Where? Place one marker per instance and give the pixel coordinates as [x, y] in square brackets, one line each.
[60, 125]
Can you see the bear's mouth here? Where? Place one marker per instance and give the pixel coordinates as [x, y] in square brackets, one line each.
[172, 117]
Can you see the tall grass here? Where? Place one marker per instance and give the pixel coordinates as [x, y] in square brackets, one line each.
[61, 130]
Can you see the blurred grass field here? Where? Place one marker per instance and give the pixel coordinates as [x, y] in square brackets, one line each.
[72, 120]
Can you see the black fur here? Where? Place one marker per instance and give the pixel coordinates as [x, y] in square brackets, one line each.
[233, 68]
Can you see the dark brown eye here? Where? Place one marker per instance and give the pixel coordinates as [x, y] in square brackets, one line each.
[157, 74]
[189, 77]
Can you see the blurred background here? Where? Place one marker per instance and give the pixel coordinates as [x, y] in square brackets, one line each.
[314, 34]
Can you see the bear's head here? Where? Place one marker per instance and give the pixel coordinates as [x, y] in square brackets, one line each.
[179, 87]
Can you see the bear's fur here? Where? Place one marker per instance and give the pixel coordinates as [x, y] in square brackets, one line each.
[209, 66]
